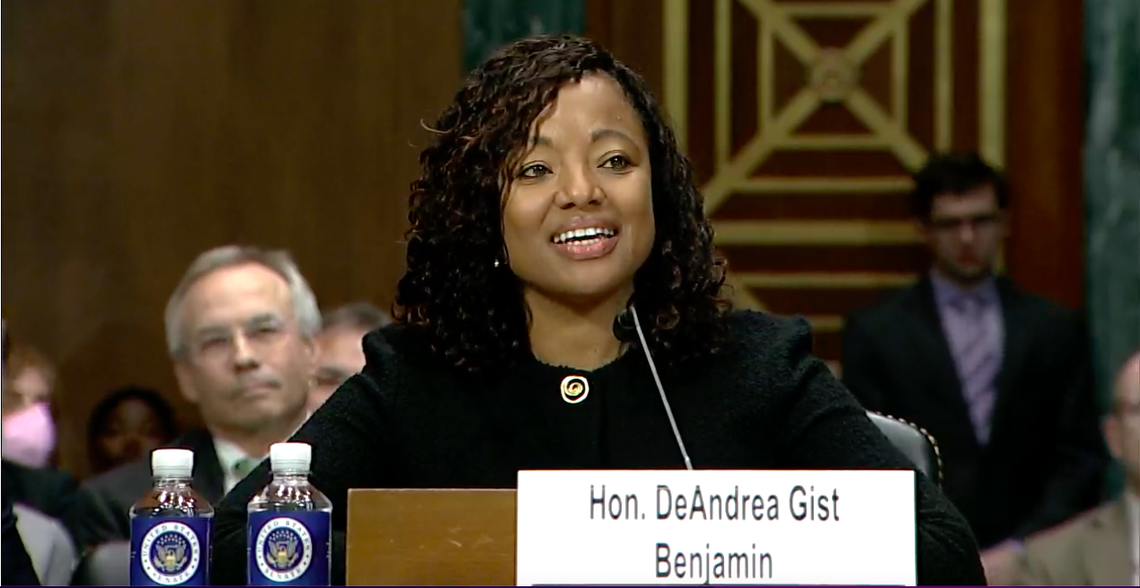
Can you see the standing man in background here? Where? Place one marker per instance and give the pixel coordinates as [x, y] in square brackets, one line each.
[240, 329]
[341, 345]
[999, 377]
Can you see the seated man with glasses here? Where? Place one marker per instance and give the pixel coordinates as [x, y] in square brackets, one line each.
[240, 331]
[1101, 547]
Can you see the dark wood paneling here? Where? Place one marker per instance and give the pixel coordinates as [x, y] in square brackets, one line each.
[140, 133]
[966, 84]
[841, 206]
[804, 163]
[744, 72]
[826, 258]
[827, 345]
[1045, 252]
[701, 123]
[632, 31]
[818, 302]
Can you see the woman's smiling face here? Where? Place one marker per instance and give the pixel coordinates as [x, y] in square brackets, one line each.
[578, 217]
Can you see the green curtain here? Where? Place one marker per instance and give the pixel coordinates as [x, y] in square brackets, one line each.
[490, 24]
[1112, 185]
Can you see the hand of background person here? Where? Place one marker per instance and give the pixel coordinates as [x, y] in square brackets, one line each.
[1000, 562]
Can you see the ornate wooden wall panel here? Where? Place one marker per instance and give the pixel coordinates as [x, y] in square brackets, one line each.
[805, 119]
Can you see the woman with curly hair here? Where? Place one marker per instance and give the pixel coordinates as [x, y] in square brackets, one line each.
[552, 200]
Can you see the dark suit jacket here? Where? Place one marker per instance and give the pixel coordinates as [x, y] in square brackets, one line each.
[54, 493]
[1045, 456]
[113, 493]
[17, 569]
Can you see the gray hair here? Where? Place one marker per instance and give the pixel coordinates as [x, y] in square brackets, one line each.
[357, 315]
[305, 309]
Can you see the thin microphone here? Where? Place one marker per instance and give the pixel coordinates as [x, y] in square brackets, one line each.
[624, 333]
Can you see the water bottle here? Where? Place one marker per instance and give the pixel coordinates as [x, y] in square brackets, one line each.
[290, 524]
[171, 526]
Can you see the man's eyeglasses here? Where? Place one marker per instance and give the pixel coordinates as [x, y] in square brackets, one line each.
[977, 221]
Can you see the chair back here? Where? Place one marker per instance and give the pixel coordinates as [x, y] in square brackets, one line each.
[913, 441]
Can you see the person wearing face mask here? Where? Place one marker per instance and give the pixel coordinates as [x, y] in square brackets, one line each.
[41, 506]
[17, 568]
[552, 201]
[29, 430]
[29, 442]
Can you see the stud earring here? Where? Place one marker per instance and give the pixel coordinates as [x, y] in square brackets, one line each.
[498, 263]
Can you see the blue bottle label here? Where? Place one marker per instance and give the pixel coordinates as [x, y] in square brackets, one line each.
[170, 551]
[289, 548]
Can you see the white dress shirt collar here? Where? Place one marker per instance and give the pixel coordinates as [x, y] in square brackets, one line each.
[230, 455]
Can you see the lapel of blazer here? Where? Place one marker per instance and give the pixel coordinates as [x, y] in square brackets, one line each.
[208, 477]
[936, 349]
[1105, 548]
[1017, 326]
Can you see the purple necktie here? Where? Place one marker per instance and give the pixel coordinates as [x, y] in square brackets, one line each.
[979, 358]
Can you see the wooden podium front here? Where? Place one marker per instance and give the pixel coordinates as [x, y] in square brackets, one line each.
[430, 537]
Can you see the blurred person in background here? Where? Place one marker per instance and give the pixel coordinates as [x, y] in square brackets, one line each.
[1101, 547]
[29, 441]
[341, 349]
[126, 426]
[240, 330]
[16, 568]
[998, 376]
[42, 507]
[29, 435]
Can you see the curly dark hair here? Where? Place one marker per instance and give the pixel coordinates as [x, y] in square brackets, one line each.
[473, 312]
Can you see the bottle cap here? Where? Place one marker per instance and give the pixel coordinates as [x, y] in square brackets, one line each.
[172, 463]
[290, 457]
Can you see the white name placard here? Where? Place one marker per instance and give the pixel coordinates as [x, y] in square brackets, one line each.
[716, 527]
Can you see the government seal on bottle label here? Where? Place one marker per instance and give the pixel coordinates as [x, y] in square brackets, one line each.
[170, 553]
[284, 549]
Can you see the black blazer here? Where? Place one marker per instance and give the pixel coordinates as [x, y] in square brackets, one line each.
[1045, 457]
[111, 494]
[51, 492]
[410, 421]
[16, 568]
